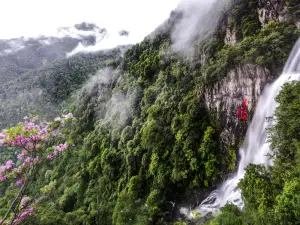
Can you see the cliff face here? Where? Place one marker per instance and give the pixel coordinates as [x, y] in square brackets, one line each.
[279, 11]
[269, 10]
[246, 81]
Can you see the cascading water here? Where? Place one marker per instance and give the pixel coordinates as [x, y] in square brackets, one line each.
[256, 148]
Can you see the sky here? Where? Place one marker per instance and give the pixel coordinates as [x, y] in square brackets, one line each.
[31, 18]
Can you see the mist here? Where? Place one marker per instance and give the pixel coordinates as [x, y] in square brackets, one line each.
[112, 106]
[104, 42]
[199, 19]
[119, 109]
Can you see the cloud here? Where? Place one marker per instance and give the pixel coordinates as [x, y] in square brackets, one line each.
[13, 46]
[112, 105]
[35, 17]
[198, 18]
[119, 109]
[103, 42]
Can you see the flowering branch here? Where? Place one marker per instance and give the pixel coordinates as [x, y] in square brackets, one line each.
[32, 138]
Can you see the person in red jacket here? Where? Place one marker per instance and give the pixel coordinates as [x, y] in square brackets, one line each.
[242, 111]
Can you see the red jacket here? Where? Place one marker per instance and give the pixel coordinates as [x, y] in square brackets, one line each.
[242, 111]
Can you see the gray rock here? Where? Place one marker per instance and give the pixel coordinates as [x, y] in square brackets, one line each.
[269, 10]
[230, 37]
[245, 81]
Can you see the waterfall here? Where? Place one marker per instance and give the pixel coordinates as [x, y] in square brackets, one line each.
[256, 148]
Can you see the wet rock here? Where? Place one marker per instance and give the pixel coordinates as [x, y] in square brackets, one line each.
[246, 81]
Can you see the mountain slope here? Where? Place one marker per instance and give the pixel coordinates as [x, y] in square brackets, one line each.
[43, 91]
[20, 55]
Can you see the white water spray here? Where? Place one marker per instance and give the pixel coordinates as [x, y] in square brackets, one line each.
[256, 147]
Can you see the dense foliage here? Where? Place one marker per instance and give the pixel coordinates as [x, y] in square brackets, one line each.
[142, 147]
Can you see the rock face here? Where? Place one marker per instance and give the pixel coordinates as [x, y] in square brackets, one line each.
[245, 81]
[272, 10]
[225, 97]
[230, 37]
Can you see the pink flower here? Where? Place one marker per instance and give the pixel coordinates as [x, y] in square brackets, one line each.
[29, 126]
[50, 156]
[3, 136]
[24, 201]
[9, 164]
[35, 138]
[17, 170]
[60, 148]
[22, 155]
[3, 178]
[37, 159]
[23, 214]
[19, 182]
[27, 160]
[26, 212]
[64, 146]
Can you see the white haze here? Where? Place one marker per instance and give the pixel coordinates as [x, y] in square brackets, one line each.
[113, 108]
[108, 41]
[32, 18]
[119, 109]
[199, 18]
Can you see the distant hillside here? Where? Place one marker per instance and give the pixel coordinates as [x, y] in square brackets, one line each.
[20, 55]
[42, 91]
